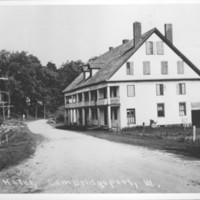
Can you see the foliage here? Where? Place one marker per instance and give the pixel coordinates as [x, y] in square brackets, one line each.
[34, 89]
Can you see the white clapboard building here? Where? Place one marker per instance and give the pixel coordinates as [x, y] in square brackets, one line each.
[142, 80]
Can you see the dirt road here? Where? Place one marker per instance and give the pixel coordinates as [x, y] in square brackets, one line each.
[70, 162]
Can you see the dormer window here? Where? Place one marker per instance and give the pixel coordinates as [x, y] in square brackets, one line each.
[86, 71]
[93, 71]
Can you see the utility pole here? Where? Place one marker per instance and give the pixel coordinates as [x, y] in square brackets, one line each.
[44, 111]
[3, 106]
[36, 112]
[4, 118]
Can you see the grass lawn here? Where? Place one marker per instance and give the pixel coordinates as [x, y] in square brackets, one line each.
[171, 139]
[21, 145]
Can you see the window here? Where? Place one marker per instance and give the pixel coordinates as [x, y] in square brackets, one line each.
[131, 116]
[94, 95]
[86, 96]
[180, 67]
[146, 68]
[74, 98]
[129, 68]
[67, 100]
[159, 89]
[149, 48]
[103, 93]
[130, 90]
[161, 109]
[181, 88]
[114, 113]
[70, 99]
[164, 67]
[160, 48]
[113, 91]
[182, 109]
[80, 97]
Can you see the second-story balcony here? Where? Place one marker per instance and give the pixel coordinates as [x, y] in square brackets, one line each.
[111, 101]
[99, 102]
[114, 101]
[102, 102]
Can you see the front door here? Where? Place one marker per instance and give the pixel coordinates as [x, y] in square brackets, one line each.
[196, 118]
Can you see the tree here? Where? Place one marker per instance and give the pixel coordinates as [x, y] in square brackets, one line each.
[51, 66]
[35, 89]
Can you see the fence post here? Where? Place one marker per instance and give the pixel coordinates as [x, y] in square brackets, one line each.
[7, 139]
[194, 133]
[143, 127]
[18, 128]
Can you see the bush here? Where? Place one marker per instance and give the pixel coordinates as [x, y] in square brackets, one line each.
[60, 113]
[21, 145]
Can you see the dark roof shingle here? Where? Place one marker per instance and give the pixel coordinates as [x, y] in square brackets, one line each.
[109, 62]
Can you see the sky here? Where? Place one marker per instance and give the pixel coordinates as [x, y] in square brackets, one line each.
[58, 33]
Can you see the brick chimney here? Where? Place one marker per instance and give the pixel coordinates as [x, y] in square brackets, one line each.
[137, 31]
[110, 48]
[124, 41]
[169, 32]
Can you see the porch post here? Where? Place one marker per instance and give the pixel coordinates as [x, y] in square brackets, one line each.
[108, 92]
[65, 116]
[109, 108]
[98, 116]
[77, 117]
[83, 116]
[70, 116]
[109, 117]
[90, 116]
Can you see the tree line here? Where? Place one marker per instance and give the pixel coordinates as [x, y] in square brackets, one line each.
[33, 89]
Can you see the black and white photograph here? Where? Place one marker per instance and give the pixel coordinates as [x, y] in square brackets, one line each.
[99, 99]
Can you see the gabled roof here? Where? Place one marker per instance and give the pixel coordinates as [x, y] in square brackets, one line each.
[109, 62]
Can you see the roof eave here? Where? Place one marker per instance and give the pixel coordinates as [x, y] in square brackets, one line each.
[177, 52]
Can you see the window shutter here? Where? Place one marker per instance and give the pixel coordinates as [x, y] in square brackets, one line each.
[177, 89]
[146, 67]
[154, 48]
[164, 67]
[128, 68]
[161, 89]
[157, 89]
[183, 88]
[147, 48]
[160, 48]
[131, 68]
[130, 90]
